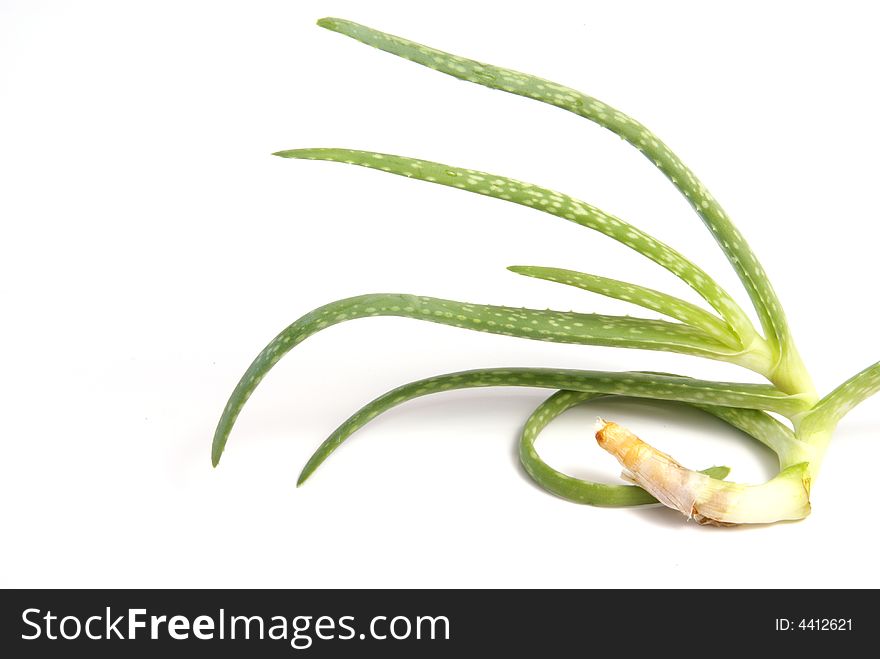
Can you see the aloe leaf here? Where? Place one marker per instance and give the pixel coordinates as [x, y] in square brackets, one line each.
[555, 326]
[568, 487]
[549, 201]
[833, 407]
[731, 241]
[668, 305]
[638, 385]
[758, 424]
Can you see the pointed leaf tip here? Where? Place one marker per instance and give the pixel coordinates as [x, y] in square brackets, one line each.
[327, 22]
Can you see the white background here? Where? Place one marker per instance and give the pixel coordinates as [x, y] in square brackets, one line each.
[151, 246]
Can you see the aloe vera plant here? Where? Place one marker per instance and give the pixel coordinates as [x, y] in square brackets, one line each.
[725, 333]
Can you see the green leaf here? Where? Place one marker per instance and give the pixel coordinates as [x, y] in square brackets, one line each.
[674, 307]
[563, 485]
[833, 407]
[548, 201]
[731, 241]
[638, 385]
[568, 487]
[757, 424]
[555, 326]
